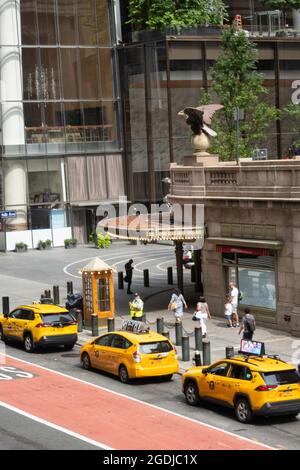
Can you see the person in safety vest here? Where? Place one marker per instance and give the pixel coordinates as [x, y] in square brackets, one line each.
[136, 308]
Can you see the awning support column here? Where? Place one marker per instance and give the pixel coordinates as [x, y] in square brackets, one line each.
[179, 264]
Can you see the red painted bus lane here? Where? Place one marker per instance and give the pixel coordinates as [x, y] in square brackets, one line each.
[107, 417]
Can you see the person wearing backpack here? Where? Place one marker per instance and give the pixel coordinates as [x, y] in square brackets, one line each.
[248, 325]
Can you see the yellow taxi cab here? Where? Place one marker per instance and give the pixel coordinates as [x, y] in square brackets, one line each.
[39, 325]
[131, 354]
[250, 384]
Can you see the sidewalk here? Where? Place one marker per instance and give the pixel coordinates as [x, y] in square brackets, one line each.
[276, 342]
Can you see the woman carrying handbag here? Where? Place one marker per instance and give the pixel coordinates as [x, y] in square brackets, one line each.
[202, 313]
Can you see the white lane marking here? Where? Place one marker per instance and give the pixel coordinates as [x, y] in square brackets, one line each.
[169, 260]
[55, 426]
[65, 269]
[136, 400]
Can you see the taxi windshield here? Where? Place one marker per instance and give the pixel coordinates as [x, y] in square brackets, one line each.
[155, 347]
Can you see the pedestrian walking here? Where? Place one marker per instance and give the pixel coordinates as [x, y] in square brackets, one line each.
[202, 313]
[234, 294]
[248, 325]
[136, 308]
[176, 304]
[228, 311]
[128, 278]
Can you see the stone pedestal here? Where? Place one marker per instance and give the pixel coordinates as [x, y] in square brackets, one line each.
[201, 159]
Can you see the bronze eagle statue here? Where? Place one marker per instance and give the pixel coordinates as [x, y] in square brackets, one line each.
[200, 118]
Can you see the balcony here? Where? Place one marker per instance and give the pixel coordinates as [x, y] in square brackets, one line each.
[207, 178]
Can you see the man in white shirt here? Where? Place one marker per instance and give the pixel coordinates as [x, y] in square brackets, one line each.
[234, 294]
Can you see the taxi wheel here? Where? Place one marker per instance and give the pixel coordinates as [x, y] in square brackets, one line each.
[85, 361]
[243, 410]
[123, 374]
[28, 343]
[191, 393]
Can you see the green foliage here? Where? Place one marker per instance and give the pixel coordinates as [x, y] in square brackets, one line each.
[159, 14]
[103, 241]
[44, 244]
[70, 242]
[237, 83]
[292, 112]
[21, 246]
[281, 4]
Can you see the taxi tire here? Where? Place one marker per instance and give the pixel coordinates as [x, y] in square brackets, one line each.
[191, 393]
[85, 361]
[28, 343]
[243, 410]
[123, 374]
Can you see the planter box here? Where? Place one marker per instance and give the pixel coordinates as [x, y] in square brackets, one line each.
[21, 250]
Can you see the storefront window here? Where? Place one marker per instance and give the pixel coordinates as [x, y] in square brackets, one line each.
[255, 277]
[258, 287]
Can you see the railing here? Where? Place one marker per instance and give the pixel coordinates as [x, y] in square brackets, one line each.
[222, 177]
[68, 134]
[271, 179]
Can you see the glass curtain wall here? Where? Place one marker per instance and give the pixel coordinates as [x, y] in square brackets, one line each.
[70, 103]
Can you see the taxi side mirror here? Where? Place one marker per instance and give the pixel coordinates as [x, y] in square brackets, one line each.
[5, 315]
[205, 371]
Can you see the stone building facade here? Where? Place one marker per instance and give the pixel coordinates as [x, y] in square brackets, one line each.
[252, 218]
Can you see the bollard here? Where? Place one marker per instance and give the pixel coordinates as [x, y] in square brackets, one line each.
[185, 341]
[160, 325]
[146, 278]
[120, 280]
[178, 333]
[110, 324]
[170, 275]
[69, 287]
[299, 369]
[229, 352]
[5, 305]
[55, 296]
[166, 334]
[197, 359]
[198, 339]
[79, 317]
[193, 273]
[95, 328]
[48, 294]
[206, 353]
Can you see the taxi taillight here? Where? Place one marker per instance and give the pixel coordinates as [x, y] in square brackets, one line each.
[266, 388]
[42, 325]
[136, 356]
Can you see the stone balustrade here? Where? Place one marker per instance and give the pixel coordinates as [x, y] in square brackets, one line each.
[207, 178]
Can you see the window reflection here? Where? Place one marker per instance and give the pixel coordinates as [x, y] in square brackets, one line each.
[67, 21]
[46, 22]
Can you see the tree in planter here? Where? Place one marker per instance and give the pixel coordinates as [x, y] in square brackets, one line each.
[237, 83]
[159, 14]
[292, 112]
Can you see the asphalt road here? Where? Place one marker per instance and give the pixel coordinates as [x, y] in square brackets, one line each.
[280, 433]
[24, 276]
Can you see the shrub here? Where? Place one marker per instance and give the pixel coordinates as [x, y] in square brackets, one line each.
[21, 246]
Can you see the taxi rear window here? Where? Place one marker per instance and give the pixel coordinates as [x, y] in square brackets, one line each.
[155, 347]
[55, 318]
[282, 377]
